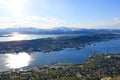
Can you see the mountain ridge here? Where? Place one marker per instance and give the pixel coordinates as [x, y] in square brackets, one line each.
[59, 30]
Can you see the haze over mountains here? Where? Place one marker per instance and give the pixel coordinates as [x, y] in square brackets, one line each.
[60, 30]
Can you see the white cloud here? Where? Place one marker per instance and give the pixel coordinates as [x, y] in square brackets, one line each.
[30, 21]
[6, 20]
[117, 19]
[49, 22]
[114, 24]
[53, 20]
[47, 19]
[32, 18]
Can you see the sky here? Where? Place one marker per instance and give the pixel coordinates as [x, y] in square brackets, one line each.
[47, 14]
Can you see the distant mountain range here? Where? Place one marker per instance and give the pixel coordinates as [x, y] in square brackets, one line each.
[60, 30]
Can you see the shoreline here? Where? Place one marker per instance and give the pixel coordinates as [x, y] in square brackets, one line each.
[91, 67]
[51, 44]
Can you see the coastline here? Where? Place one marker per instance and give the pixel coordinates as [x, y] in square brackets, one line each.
[96, 67]
[54, 44]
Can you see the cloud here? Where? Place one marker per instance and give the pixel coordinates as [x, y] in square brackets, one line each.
[30, 21]
[53, 20]
[49, 22]
[45, 22]
[117, 19]
[32, 18]
[114, 24]
[6, 20]
[25, 24]
[47, 19]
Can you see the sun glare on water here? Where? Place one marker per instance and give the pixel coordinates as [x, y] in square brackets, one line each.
[18, 60]
[15, 36]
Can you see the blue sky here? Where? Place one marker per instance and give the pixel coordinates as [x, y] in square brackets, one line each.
[56, 13]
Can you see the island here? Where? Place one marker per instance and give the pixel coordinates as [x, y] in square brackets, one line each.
[54, 43]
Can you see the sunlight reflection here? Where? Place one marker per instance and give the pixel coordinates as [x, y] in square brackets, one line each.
[17, 36]
[18, 60]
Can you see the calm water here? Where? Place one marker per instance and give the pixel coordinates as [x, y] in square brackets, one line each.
[15, 36]
[12, 61]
